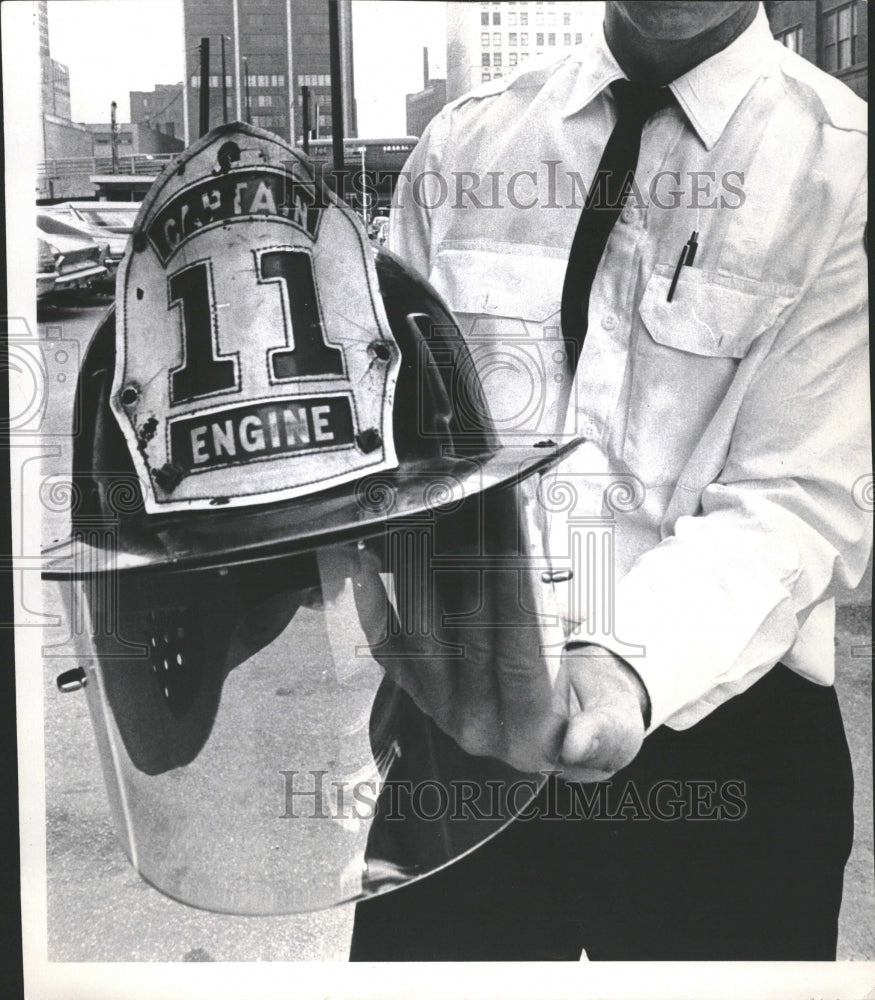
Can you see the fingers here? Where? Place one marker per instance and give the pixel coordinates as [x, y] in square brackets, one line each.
[606, 726]
[484, 684]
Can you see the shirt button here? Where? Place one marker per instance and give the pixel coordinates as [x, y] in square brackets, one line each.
[609, 322]
[627, 215]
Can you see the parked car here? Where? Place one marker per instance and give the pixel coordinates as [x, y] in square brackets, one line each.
[78, 259]
[379, 230]
[46, 274]
[108, 221]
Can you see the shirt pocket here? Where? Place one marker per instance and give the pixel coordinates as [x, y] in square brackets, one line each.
[507, 306]
[686, 354]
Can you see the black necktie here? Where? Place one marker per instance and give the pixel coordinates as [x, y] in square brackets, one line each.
[635, 104]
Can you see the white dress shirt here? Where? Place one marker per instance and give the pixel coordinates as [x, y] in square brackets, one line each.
[738, 413]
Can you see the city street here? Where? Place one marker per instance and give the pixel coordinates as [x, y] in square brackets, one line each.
[101, 910]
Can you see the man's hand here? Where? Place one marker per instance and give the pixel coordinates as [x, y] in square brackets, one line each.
[485, 685]
[606, 706]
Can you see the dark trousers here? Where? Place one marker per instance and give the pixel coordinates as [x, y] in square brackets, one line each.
[751, 868]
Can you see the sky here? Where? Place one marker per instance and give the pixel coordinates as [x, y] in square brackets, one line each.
[114, 46]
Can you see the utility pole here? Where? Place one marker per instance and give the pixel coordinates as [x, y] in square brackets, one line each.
[305, 117]
[224, 86]
[336, 95]
[365, 198]
[205, 87]
[113, 136]
[248, 116]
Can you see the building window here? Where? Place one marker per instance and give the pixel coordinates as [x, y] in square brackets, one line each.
[523, 56]
[511, 38]
[511, 20]
[496, 76]
[524, 19]
[539, 38]
[539, 19]
[551, 19]
[268, 121]
[485, 77]
[566, 19]
[484, 39]
[496, 61]
[496, 38]
[566, 38]
[840, 32]
[496, 18]
[524, 38]
[484, 17]
[485, 61]
[792, 39]
[512, 59]
[578, 38]
[551, 39]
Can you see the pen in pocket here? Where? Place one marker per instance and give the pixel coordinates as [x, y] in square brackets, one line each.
[688, 255]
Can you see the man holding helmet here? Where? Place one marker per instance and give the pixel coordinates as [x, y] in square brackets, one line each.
[715, 296]
[300, 555]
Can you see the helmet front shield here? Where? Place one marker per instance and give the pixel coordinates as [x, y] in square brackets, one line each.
[292, 733]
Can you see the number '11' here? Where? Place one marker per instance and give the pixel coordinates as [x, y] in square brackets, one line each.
[205, 372]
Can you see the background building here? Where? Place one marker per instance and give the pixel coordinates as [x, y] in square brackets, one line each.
[272, 49]
[425, 104]
[54, 76]
[133, 140]
[160, 108]
[59, 137]
[833, 34]
[486, 41]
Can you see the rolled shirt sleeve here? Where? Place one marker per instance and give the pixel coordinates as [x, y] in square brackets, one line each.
[724, 597]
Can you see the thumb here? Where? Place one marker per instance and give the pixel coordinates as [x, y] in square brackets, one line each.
[582, 739]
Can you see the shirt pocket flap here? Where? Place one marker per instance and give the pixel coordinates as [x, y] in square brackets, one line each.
[487, 283]
[711, 314]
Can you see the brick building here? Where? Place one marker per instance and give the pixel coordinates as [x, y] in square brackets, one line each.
[833, 34]
[160, 108]
[133, 140]
[425, 104]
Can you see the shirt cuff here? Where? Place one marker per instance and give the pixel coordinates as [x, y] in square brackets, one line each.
[696, 625]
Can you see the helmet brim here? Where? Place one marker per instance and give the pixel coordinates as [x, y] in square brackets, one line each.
[243, 535]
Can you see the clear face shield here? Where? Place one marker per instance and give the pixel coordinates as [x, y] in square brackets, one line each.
[291, 733]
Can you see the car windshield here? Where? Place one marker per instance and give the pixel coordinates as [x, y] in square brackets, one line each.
[117, 219]
[48, 224]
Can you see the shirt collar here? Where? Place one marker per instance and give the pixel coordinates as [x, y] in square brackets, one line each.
[709, 93]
